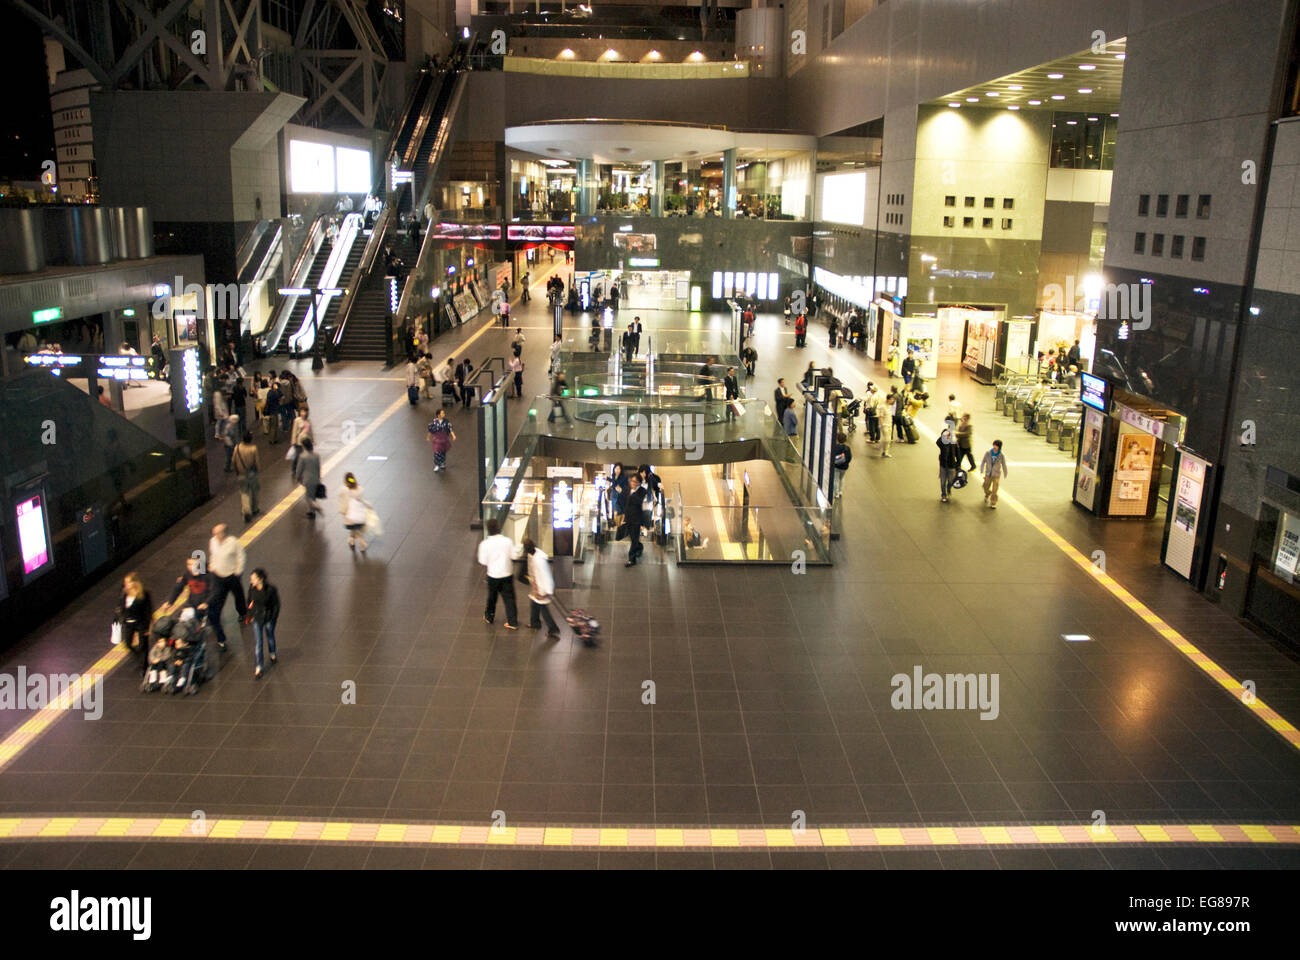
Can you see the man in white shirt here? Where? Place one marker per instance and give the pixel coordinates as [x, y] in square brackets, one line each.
[556, 347]
[497, 553]
[226, 564]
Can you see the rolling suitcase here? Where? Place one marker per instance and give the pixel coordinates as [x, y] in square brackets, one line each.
[413, 395]
[910, 426]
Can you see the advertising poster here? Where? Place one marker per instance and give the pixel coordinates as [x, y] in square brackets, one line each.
[1131, 483]
[1288, 548]
[951, 328]
[1018, 340]
[635, 242]
[873, 323]
[1085, 493]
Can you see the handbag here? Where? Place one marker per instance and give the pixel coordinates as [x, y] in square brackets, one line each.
[374, 527]
[960, 480]
[320, 492]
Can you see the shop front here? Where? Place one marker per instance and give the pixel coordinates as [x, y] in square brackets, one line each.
[1273, 593]
[995, 345]
[1060, 331]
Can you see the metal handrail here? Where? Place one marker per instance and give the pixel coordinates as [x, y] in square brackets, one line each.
[281, 306]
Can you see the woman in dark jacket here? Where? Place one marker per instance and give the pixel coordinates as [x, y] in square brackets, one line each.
[135, 613]
[263, 612]
[618, 487]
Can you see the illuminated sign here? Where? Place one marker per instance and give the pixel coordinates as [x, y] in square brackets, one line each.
[469, 262]
[187, 382]
[562, 506]
[56, 363]
[123, 367]
[539, 232]
[128, 312]
[48, 315]
[1094, 392]
[466, 231]
[646, 262]
[34, 536]
[162, 289]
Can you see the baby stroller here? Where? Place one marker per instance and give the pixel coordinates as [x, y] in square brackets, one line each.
[849, 415]
[184, 667]
[155, 674]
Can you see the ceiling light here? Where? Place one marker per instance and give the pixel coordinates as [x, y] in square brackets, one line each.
[972, 99]
[1092, 119]
[1015, 86]
[1034, 103]
[1071, 123]
[1114, 114]
[992, 93]
[696, 56]
[1120, 56]
[1055, 76]
[1085, 89]
[1013, 107]
[954, 104]
[1058, 96]
[566, 54]
[1087, 66]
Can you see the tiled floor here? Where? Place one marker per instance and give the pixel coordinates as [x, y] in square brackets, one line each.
[772, 689]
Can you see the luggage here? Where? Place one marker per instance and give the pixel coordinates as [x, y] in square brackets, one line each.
[413, 395]
[960, 480]
[585, 627]
[909, 425]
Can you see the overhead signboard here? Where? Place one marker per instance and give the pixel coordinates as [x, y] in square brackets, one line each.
[48, 315]
[466, 231]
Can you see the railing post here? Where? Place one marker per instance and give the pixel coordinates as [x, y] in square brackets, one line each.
[388, 338]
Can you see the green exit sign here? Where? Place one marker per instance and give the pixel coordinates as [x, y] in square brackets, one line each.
[48, 315]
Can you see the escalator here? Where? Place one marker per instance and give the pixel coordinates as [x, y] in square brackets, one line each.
[301, 305]
[416, 151]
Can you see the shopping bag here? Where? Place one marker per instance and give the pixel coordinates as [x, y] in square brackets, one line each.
[374, 527]
[115, 634]
[292, 453]
[737, 408]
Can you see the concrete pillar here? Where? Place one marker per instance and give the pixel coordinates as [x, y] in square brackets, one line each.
[729, 183]
[657, 196]
[586, 188]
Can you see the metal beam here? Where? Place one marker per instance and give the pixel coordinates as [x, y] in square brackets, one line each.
[69, 44]
[156, 29]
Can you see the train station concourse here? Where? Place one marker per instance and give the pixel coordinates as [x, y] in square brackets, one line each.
[523, 436]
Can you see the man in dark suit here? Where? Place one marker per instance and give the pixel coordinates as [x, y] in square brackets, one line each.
[634, 518]
[636, 334]
[781, 397]
[629, 344]
[733, 392]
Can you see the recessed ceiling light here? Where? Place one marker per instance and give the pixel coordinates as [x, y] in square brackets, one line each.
[1114, 114]
[1085, 89]
[1055, 76]
[1120, 56]
[1034, 103]
[1071, 123]
[1015, 86]
[972, 99]
[1087, 66]
[1092, 119]
[954, 104]
[1076, 637]
[1012, 107]
[1058, 96]
[992, 93]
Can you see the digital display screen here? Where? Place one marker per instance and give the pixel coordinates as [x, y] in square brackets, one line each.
[352, 168]
[33, 536]
[844, 197]
[187, 382]
[562, 506]
[1094, 392]
[311, 167]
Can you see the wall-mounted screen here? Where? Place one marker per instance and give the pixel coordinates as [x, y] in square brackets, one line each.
[311, 167]
[1094, 392]
[34, 536]
[844, 197]
[352, 170]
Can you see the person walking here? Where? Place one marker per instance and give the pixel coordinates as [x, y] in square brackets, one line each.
[556, 346]
[445, 377]
[135, 613]
[885, 416]
[541, 587]
[953, 416]
[833, 329]
[516, 368]
[263, 612]
[247, 466]
[441, 437]
[352, 506]
[909, 369]
[891, 364]
[463, 371]
[841, 457]
[424, 368]
[230, 437]
[412, 382]
[300, 430]
[964, 432]
[517, 341]
[307, 472]
[634, 518]
[239, 400]
[559, 386]
[732, 391]
[496, 554]
[949, 458]
[271, 401]
[226, 560]
[800, 329]
[994, 468]
[523, 294]
[871, 412]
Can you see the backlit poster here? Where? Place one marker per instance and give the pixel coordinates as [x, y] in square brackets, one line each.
[952, 324]
[1131, 482]
[1085, 491]
[1188, 489]
[33, 536]
[1017, 340]
[1288, 548]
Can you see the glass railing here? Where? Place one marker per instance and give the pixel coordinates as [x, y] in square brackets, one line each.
[740, 533]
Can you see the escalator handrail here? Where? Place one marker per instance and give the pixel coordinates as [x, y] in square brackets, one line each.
[247, 245]
[436, 155]
[284, 306]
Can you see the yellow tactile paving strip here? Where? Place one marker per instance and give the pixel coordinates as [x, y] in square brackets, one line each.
[27, 732]
[1166, 632]
[633, 837]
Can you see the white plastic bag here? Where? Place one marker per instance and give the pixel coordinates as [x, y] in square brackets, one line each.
[374, 527]
[115, 634]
